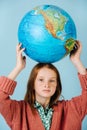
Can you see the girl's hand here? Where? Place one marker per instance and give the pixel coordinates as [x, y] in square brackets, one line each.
[75, 58]
[21, 63]
[21, 60]
[76, 52]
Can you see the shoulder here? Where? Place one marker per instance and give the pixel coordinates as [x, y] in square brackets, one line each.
[63, 104]
[59, 104]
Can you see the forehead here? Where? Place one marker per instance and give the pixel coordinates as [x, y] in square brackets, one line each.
[46, 72]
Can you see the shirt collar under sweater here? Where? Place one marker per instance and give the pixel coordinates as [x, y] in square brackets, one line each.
[45, 114]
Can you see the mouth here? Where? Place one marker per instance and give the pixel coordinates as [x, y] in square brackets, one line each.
[46, 90]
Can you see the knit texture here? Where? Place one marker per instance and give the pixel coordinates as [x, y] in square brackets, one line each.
[67, 115]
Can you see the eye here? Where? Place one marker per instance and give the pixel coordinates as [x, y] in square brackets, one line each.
[52, 80]
[40, 79]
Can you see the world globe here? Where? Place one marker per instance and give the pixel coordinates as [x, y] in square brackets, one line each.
[47, 33]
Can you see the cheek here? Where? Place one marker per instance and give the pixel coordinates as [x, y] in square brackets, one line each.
[53, 89]
[36, 86]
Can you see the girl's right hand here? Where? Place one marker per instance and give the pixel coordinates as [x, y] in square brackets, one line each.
[20, 59]
[20, 63]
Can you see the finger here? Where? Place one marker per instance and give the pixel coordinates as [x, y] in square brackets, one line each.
[24, 57]
[78, 43]
[75, 48]
[18, 47]
[22, 50]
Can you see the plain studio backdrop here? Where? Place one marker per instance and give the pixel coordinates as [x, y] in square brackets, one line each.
[11, 12]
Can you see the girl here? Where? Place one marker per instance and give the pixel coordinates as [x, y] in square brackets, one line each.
[41, 109]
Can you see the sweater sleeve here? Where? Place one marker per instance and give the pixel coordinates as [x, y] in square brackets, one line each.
[79, 104]
[7, 106]
[7, 85]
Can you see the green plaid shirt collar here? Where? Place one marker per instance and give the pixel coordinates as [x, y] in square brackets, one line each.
[45, 114]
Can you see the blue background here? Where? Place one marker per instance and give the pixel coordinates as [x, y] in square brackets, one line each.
[11, 12]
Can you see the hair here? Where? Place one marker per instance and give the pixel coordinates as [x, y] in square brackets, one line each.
[30, 93]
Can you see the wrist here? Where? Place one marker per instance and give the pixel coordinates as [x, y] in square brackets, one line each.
[14, 73]
[76, 61]
[80, 67]
[18, 68]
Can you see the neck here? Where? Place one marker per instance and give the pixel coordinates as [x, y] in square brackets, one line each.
[43, 102]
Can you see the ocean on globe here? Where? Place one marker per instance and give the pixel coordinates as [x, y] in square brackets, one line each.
[47, 33]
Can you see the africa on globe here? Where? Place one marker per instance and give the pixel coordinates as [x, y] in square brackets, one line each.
[47, 33]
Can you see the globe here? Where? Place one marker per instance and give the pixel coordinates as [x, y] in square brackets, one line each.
[47, 33]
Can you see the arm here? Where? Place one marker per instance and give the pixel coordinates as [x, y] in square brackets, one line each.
[75, 58]
[8, 84]
[9, 108]
[79, 104]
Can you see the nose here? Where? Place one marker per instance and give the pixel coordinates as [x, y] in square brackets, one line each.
[46, 84]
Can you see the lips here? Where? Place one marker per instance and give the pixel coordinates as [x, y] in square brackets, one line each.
[46, 90]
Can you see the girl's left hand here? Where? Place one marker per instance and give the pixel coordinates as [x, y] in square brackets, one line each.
[75, 58]
[76, 52]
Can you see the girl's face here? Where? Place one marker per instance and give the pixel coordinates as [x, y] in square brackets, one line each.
[45, 83]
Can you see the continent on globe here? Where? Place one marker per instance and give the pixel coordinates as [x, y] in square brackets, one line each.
[69, 45]
[54, 21]
[47, 33]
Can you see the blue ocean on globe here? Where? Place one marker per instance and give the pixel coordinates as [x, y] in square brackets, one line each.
[47, 33]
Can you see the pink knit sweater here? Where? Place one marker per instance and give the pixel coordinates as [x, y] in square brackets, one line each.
[67, 115]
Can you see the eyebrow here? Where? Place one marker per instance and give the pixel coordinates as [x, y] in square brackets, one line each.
[49, 77]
